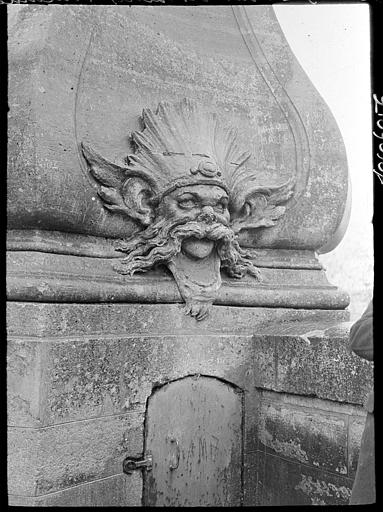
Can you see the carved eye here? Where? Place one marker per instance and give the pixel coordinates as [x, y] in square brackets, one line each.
[221, 206]
[186, 204]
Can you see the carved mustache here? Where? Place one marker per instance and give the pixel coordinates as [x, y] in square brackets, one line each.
[168, 234]
[215, 231]
[162, 240]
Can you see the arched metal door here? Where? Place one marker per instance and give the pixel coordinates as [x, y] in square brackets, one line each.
[194, 435]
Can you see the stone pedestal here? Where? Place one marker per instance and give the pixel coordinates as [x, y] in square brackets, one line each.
[80, 376]
[90, 349]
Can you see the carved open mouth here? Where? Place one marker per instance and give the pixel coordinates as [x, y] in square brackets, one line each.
[198, 248]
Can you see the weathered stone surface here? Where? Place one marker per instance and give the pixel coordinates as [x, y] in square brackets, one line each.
[24, 371]
[114, 491]
[322, 366]
[303, 449]
[56, 242]
[304, 432]
[289, 483]
[53, 458]
[123, 350]
[94, 373]
[45, 277]
[93, 377]
[171, 55]
[276, 481]
[250, 479]
[260, 458]
[61, 320]
[355, 432]
[98, 376]
[324, 488]
[252, 407]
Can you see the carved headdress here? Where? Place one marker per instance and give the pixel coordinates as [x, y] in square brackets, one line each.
[182, 144]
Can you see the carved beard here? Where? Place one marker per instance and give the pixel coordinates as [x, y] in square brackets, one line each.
[159, 243]
[198, 280]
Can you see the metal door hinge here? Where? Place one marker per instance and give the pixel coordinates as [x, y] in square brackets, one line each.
[130, 465]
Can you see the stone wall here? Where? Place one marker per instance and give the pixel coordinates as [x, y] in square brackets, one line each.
[80, 376]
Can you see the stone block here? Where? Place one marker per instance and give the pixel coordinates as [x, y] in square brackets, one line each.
[261, 462]
[115, 491]
[24, 382]
[95, 376]
[355, 432]
[278, 480]
[262, 367]
[54, 458]
[60, 320]
[290, 484]
[252, 405]
[323, 367]
[23, 461]
[250, 476]
[304, 433]
[323, 488]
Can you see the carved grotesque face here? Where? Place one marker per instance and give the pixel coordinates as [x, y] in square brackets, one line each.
[185, 144]
[207, 204]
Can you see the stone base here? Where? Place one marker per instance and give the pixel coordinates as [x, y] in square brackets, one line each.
[63, 267]
[80, 376]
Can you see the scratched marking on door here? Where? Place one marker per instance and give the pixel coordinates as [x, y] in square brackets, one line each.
[194, 433]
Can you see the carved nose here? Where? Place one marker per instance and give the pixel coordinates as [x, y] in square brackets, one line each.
[207, 214]
[208, 210]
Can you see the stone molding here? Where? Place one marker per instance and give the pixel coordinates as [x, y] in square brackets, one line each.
[47, 277]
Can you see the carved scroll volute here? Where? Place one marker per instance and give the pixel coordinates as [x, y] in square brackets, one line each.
[319, 205]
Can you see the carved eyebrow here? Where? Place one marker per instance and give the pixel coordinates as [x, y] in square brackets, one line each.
[187, 195]
[197, 197]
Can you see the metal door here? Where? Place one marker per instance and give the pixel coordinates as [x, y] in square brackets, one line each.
[194, 435]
